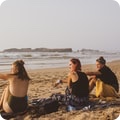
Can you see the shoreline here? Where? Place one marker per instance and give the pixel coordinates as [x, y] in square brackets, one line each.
[84, 66]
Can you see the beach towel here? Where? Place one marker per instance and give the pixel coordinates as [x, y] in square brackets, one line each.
[105, 90]
[69, 99]
[42, 106]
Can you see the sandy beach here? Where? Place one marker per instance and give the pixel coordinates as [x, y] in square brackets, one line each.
[41, 86]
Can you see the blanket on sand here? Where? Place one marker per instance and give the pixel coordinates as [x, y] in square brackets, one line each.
[42, 106]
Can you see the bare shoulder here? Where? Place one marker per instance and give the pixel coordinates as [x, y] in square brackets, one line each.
[72, 73]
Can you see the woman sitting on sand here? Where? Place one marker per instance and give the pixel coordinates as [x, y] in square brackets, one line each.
[14, 97]
[105, 80]
[78, 85]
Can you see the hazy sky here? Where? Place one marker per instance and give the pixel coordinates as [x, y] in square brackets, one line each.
[77, 24]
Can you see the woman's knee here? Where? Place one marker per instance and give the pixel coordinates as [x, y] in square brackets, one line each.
[6, 89]
[6, 107]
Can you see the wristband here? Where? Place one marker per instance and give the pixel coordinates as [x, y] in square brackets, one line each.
[58, 81]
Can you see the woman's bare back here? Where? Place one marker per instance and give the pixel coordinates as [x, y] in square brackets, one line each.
[18, 87]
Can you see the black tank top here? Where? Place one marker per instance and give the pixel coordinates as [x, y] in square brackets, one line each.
[80, 88]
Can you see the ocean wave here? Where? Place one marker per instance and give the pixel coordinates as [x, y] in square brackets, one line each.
[40, 60]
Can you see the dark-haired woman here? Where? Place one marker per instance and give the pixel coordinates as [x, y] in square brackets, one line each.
[105, 80]
[14, 97]
[78, 85]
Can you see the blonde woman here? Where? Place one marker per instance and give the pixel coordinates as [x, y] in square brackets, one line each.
[14, 97]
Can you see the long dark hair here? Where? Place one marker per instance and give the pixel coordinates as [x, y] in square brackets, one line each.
[21, 72]
[77, 62]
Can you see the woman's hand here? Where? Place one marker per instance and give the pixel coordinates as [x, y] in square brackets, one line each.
[92, 77]
[57, 83]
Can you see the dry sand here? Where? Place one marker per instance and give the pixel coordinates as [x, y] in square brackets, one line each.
[41, 86]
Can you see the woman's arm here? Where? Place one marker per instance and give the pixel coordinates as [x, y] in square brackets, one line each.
[69, 81]
[59, 81]
[4, 76]
[63, 81]
[93, 73]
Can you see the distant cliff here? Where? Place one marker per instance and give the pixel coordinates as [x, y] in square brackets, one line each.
[88, 51]
[38, 50]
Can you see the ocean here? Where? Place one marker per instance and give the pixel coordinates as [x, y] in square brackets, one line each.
[41, 60]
